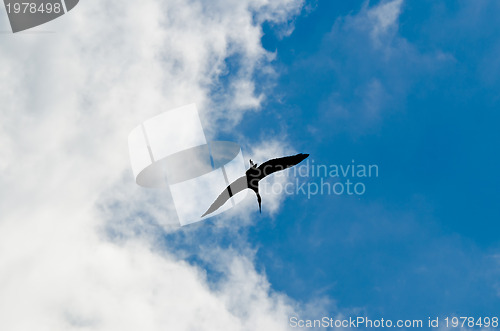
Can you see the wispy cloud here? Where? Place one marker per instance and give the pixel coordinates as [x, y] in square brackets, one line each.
[384, 17]
[367, 68]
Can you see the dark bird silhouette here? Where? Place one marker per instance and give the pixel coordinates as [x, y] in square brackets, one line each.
[252, 178]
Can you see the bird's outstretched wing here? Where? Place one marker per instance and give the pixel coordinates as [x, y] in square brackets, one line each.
[237, 186]
[278, 164]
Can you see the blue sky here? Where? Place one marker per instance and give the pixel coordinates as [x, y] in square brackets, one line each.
[420, 100]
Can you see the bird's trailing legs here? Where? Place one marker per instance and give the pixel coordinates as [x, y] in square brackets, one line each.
[259, 200]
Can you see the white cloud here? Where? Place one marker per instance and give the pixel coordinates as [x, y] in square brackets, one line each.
[384, 17]
[380, 22]
[69, 100]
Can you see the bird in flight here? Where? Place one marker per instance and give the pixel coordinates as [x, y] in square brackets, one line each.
[252, 178]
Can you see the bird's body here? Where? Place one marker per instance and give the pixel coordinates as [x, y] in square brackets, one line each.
[252, 178]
